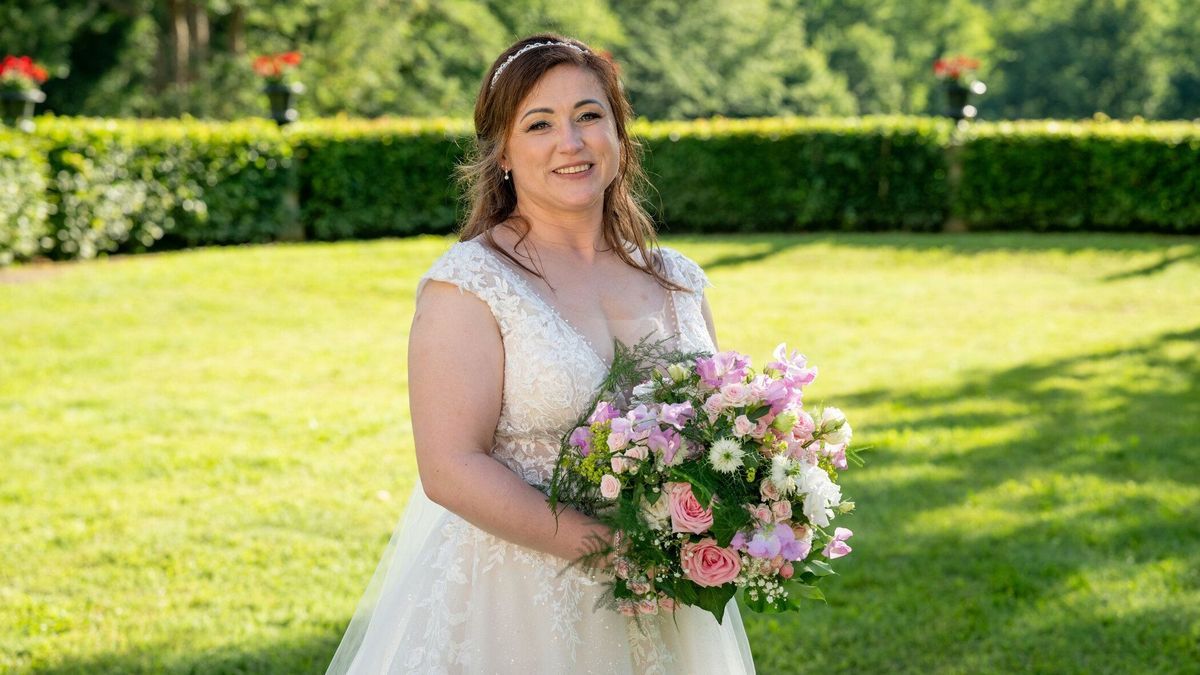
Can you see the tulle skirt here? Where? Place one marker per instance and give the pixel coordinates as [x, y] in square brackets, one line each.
[450, 598]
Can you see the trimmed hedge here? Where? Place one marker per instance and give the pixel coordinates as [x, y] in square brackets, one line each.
[24, 210]
[374, 178]
[1081, 175]
[131, 185]
[80, 187]
[798, 173]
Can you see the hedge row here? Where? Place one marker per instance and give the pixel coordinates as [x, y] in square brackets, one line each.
[79, 187]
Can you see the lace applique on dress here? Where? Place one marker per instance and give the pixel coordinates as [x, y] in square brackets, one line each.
[483, 604]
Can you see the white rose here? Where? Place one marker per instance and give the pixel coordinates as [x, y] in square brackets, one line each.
[658, 514]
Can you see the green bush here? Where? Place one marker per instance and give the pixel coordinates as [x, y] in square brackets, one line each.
[1096, 175]
[24, 211]
[79, 187]
[798, 173]
[130, 185]
[373, 178]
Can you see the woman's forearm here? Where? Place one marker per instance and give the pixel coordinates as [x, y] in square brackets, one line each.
[490, 496]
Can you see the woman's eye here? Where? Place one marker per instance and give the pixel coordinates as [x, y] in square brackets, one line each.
[590, 115]
[538, 125]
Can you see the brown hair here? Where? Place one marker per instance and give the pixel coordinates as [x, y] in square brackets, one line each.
[491, 200]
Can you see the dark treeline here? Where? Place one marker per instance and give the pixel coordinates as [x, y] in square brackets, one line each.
[745, 58]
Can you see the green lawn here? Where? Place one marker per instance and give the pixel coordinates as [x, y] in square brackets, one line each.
[202, 454]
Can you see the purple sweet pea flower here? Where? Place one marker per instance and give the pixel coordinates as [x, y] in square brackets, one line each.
[764, 545]
[665, 442]
[738, 543]
[604, 411]
[792, 367]
[676, 414]
[723, 368]
[582, 439]
[642, 420]
[790, 547]
[837, 547]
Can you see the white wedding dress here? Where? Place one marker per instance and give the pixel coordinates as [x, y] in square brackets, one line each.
[450, 598]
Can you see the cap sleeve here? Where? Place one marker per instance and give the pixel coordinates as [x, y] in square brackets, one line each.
[685, 271]
[470, 268]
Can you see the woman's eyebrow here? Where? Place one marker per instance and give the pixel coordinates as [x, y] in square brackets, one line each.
[577, 105]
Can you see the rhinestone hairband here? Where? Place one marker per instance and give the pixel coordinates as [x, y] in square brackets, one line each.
[522, 50]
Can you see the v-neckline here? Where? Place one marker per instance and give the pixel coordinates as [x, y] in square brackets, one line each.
[562, 320]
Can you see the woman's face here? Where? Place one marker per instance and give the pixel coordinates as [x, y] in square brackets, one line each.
[563, 149]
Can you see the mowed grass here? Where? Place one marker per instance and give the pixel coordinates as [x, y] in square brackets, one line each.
[203, 453]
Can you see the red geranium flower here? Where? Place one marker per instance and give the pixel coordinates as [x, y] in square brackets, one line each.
[21, 73]
[955, 68]
[274, 66]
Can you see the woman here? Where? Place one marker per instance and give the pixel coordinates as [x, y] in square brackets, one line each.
[512, 334]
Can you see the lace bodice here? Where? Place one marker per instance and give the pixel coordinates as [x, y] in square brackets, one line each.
[551, 371]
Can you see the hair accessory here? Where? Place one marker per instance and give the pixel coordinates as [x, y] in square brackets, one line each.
[522, 50]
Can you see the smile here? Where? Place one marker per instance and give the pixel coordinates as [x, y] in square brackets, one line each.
[578, 168]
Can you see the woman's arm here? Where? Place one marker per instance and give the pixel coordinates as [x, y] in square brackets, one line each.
[455, 383]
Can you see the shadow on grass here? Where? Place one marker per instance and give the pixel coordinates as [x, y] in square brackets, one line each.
[963, 244]
[296, 656]
[1046, 552]
[1068, 547]
[1166, 262]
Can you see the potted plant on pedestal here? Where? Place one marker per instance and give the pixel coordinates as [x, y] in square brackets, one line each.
[281, 93]
[958, 77]
[19, 80]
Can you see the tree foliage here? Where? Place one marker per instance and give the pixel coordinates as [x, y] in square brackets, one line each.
[1041, 58]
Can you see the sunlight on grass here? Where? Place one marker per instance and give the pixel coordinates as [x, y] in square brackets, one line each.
[209, 449]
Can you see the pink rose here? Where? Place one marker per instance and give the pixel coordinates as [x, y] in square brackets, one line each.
[782, 510]
[742, 426]
[626, 607]
[713, 406]
[708, 564]
[648, 605]
[638, 452]
[622, 568]
[639, 586]
[617, 464]
[610, 487]
[686, 513]
[762, 512]
[735, 394]
[666, 603]
[768, 490]
[787, 571]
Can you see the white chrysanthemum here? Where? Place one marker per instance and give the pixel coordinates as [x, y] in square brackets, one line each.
[726, 455]
[783, 474]
[833, 417]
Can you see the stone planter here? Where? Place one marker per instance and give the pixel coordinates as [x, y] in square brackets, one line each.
[958, 99]
[282, 98]
[16, 107]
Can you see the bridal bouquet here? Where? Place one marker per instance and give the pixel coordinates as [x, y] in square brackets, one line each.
[714, 478]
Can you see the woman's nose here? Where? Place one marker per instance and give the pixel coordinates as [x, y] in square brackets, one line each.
[572, 138]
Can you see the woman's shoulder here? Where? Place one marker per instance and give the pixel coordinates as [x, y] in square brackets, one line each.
[682, 269]
[467, 265]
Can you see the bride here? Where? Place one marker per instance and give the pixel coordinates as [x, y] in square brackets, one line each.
[513, 333]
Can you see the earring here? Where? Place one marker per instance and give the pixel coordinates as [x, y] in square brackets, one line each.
[506, 174]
